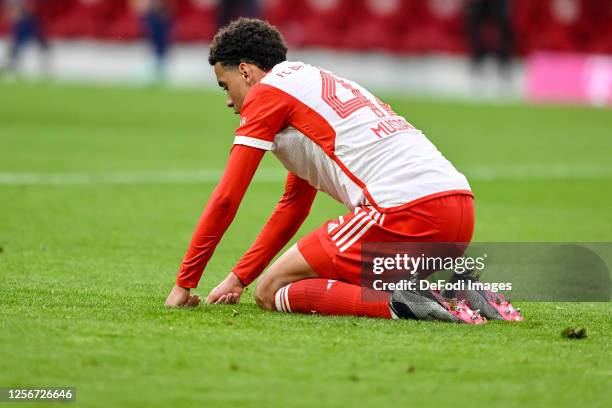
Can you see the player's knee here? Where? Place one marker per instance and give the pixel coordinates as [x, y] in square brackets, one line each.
[264, 296]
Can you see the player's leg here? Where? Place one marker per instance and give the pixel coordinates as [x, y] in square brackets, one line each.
[306, 280]
[335, 252]
[288, 268]
[291, 285]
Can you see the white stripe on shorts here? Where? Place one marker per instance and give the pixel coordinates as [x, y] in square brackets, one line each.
[357, 236]
[355, 229]
[348, 225]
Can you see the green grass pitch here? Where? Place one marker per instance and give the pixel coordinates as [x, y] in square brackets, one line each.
[85, 266]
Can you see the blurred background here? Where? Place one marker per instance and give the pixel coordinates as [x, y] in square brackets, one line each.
[544, 50]
[113, 133]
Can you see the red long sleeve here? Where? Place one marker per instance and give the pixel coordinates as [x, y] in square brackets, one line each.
[219, 213]
[288, 216]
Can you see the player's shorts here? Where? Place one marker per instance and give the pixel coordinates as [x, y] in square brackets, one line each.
[333, 251]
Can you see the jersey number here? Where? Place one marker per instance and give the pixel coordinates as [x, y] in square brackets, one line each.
[346, 108]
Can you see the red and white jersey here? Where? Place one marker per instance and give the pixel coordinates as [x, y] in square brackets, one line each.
[343, 140]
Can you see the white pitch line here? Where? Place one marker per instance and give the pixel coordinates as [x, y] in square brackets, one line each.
[481, 173]
[128, 177]
[538, 172]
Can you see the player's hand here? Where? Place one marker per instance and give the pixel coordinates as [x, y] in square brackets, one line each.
[228, 291]
[180, 297]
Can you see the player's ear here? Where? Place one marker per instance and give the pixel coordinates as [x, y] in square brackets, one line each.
[245, 71]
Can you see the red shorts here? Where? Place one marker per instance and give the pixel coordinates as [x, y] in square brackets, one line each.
[333, 251]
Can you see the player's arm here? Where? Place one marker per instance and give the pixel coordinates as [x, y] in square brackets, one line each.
[264, 113]
[214, 221]
[287, 217]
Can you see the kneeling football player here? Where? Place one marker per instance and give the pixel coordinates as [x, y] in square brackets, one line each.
[336, 137]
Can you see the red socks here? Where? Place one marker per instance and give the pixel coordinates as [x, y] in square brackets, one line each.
[331, 297]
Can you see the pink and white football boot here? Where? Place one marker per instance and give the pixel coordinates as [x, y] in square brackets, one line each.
[429, 305]
[493, 306]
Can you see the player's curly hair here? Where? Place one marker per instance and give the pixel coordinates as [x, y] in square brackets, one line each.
[248, 40]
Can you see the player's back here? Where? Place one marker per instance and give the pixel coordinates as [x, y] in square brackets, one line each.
[343, 140]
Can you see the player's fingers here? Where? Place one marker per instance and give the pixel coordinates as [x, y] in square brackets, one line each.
[236, 298]
[231, 298]
[212, 296]
[194, 300]
[191, 301]
[221, 299]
